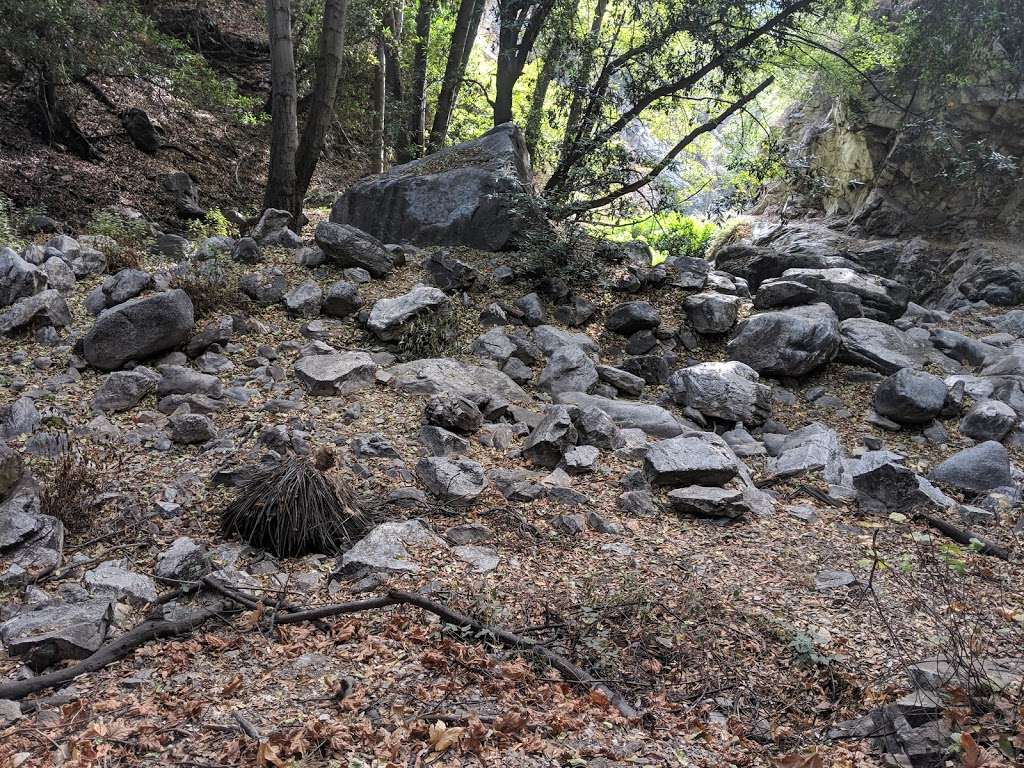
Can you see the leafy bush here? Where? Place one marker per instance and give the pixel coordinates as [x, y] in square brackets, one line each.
[213, 224]
[670, 234]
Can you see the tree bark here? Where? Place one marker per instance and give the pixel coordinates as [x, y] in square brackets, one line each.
[463, 36]
[325, 91]
[284, 134]
[520, 24]
[394, 20]
[582, 79]
[535, 117]
[380, 91]
[416, 119]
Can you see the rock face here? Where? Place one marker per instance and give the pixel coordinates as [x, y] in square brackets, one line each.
[979, 469]
[336, 374]
[54, 633]
[849, 293]
[469, 194]
[910, 397]
[389, 315]
[348, 246]
[138, 329]
[730, 391]
[684, 461]
[789, 342]
[451, 479]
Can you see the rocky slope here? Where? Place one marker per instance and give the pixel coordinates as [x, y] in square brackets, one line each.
[695, 480]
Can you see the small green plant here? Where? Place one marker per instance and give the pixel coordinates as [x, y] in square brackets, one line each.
[131, 237]
[213, 224]
[671, 233]
[9, 224]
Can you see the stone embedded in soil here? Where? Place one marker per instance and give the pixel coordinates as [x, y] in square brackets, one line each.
[340, 373]
[684, 461]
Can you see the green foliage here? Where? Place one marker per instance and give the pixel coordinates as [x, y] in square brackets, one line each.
[674, 234]
[127, 232]
[213, 224]
[9, 224]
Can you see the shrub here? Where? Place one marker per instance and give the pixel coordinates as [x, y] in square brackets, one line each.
[213, 224]
[213, 290]
[71, 484]
[290, 508]
[431, 334]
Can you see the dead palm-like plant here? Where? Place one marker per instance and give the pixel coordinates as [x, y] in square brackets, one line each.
[290, 507]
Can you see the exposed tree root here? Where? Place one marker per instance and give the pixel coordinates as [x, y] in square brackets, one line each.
[153, 629]
[965, 537]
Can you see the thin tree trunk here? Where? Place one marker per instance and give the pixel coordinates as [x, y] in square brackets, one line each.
[582, 83]
[395, 22]
[463, 36]
[535, 117]
[284, 134]
[416, 119]
[380, 91]
[321, 109]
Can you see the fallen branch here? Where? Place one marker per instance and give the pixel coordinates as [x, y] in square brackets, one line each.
[965, 537]
[114, 650]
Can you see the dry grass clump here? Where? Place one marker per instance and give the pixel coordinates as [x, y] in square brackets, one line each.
[72, 484]
[213, 290]
[289, 508]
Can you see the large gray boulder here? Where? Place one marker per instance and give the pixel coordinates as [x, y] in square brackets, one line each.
[470, 194]
[570, 369]
[348, 246]
[850, 293]
[18, 278]
[711, 314]
[874, 344]
[434, 375]
[45, 308]
[138, 329]
[388, 316]
[988, 420]
[790, 342]
[910, 397]
[451, 479]
[979, 468]
[730, 391]
[689, 460]
[55, 632]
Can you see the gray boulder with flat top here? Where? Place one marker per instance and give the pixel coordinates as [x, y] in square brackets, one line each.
[138, 329]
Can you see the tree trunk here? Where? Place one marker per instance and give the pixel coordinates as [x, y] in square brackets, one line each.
[463, 36]
[395, 23]
[582, 80]
[325, 91]
[58, 126]
[505, 82]
[520, 23]
[380, 90]
[284, 134]
[535, 117]
[416, 119]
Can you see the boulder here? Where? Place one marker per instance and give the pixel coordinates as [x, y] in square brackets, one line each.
[432, 376]
[910, 397]
[711, 314]
[265, 287]
[45, 308]
[342, 299]
[123, 390]
[192, 428]
[729, 391]
[271, 222]
[851, 293]
[686, 460]
[55, 632]
[979, 468]
[186, 194]
[448, 273]
[812, 448]
[138, 329]
[451, 479]
[627, 414]
[385, 548]
[702, 501]
[550, 339]
[182, 380]
[31, 543]
[790, 342]
[124, 285]
[550, 439]
[890, 487]
[340, 373]
[18, 278]
[989, 420]
[114, 579]
[876, 345]
[453, 413]
[348, 246]
[184, 561]
[304, 300]
[632, 316]
[470, 194]
[388, 316]
[570, 369]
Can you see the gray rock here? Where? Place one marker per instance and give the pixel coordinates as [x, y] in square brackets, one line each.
[730, 391]
[777, 292]
[469, 194]
[433, 376]
[304, 300]
[879, 346]
[595, 427]
[683, 461]
[272, 221]
[910, 397]
[980, 468]
[246, 251]
[265, 287]
[59, 275]
[623, 381]
[348, 246]
[45, 308]
[18, 278]
[890, 487]
[494, 344]
[628, 414]
[989, 420]
[440, 442]
[638, 503]
[388, 316]
[852, 293]
[448, 273]
[182, 380]
[550, 439]
[469, 533]
[826, 580]
[11, 469]
[632, 316]
[123, 390]
[483, 559]
[185, 561]
[450, 479]
[125, 285]
[703, 501]
[711, 314]
[531, 309]
[580, 459]
[18, 418]
[336, 373]
[138, 329]
[55, 632]
[790, 342]
[114, 579]
[342, 300]
[186, 195]
[570, 369]
[550, 339]
[453, 413]
[578, 311]
[192, 428]
[814, 448]
[386, 548]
